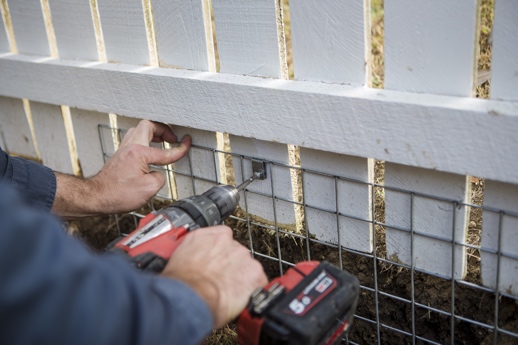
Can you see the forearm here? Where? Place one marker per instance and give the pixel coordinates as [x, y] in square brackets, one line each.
[77, 197]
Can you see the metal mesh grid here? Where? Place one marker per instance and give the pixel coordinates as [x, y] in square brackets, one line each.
[446, 317]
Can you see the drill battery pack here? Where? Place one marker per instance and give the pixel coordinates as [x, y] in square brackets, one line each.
[313, 303]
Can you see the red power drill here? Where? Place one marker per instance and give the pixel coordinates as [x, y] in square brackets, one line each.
[312, 304]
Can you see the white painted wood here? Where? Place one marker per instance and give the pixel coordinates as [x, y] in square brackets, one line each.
[200, 164]
[247, 36]
[74, 29]
[259, 205]
[51, 136]
[124, 31]
[29, 27]
[15, 129]
[429, 46]
[500, 197]
[86, 131]
[428, 216]
[388, 125]
[4, 41]
[354, 198]
[180, 34]
[329, 40]
[504, 64]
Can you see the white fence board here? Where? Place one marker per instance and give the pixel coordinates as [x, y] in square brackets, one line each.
[259, 205]
[427, 216]
[181, 34]
[51, 136]
[15, 129]
[387, 125]
[29, 27]
[429, 50]
[4, 40]
[353, 198]
[200, 163]
[500, 196]
[504, 66]
[329, 40]
[248, 37]
[124, 31]
[74, 29]
[86, 131]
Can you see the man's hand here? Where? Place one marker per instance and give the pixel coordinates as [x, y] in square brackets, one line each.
[125, 182]
[219, 269]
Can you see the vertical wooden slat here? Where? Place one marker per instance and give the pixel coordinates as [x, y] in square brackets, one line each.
[15, 129]
[4, 39]
[74, 29]
[500, 233]
[201, 163]
[51, 137]
[180, 32]
[329, 40]
[248, 37]
[29, 27]
[353, 198]
[428, 51]
[427, 216]
[330, 44]
[88, 142]
[124, 31]
[504, 65]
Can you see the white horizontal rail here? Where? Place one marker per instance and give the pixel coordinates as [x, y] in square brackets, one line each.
[454, 134]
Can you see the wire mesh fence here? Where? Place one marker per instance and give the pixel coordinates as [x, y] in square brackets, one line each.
[402, 301]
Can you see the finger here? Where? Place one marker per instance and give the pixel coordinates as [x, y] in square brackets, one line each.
[159, 156]
[147, 131]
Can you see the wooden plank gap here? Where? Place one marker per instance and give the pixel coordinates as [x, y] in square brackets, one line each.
[6, 15]
[281, 37]
[72, 146]
[476, 48]
[28, 114]
[99, 38]
[49, 27]
[150, 31]
[209, 34]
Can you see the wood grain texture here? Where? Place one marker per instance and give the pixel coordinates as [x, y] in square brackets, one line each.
[499, 232]
[247, 36]
[200, 163]
[51, 136]
[74, 29]
[124, 31]
[429, 49]
[504, 64]
[14, 128]
[428, 216]
[329, 40]
[29, 27]
[387, 125]
[180, 33]
[347, 197]
[264, 206]
[86, 131]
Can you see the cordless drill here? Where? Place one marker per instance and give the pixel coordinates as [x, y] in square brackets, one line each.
[313, 303]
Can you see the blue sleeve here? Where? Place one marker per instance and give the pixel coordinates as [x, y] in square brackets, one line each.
[35, 182]
[54, 291]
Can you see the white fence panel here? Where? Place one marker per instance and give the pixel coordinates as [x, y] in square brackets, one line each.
[329, 40]
[504, 66]
[15, 129]
[89, 148]
[500, 234]
[350, 198]
[249, 39]
[29, 27]
[426, 51]
[184, 34]
[124, 31]
[51, 137]
[74, 29]
[4, 39]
